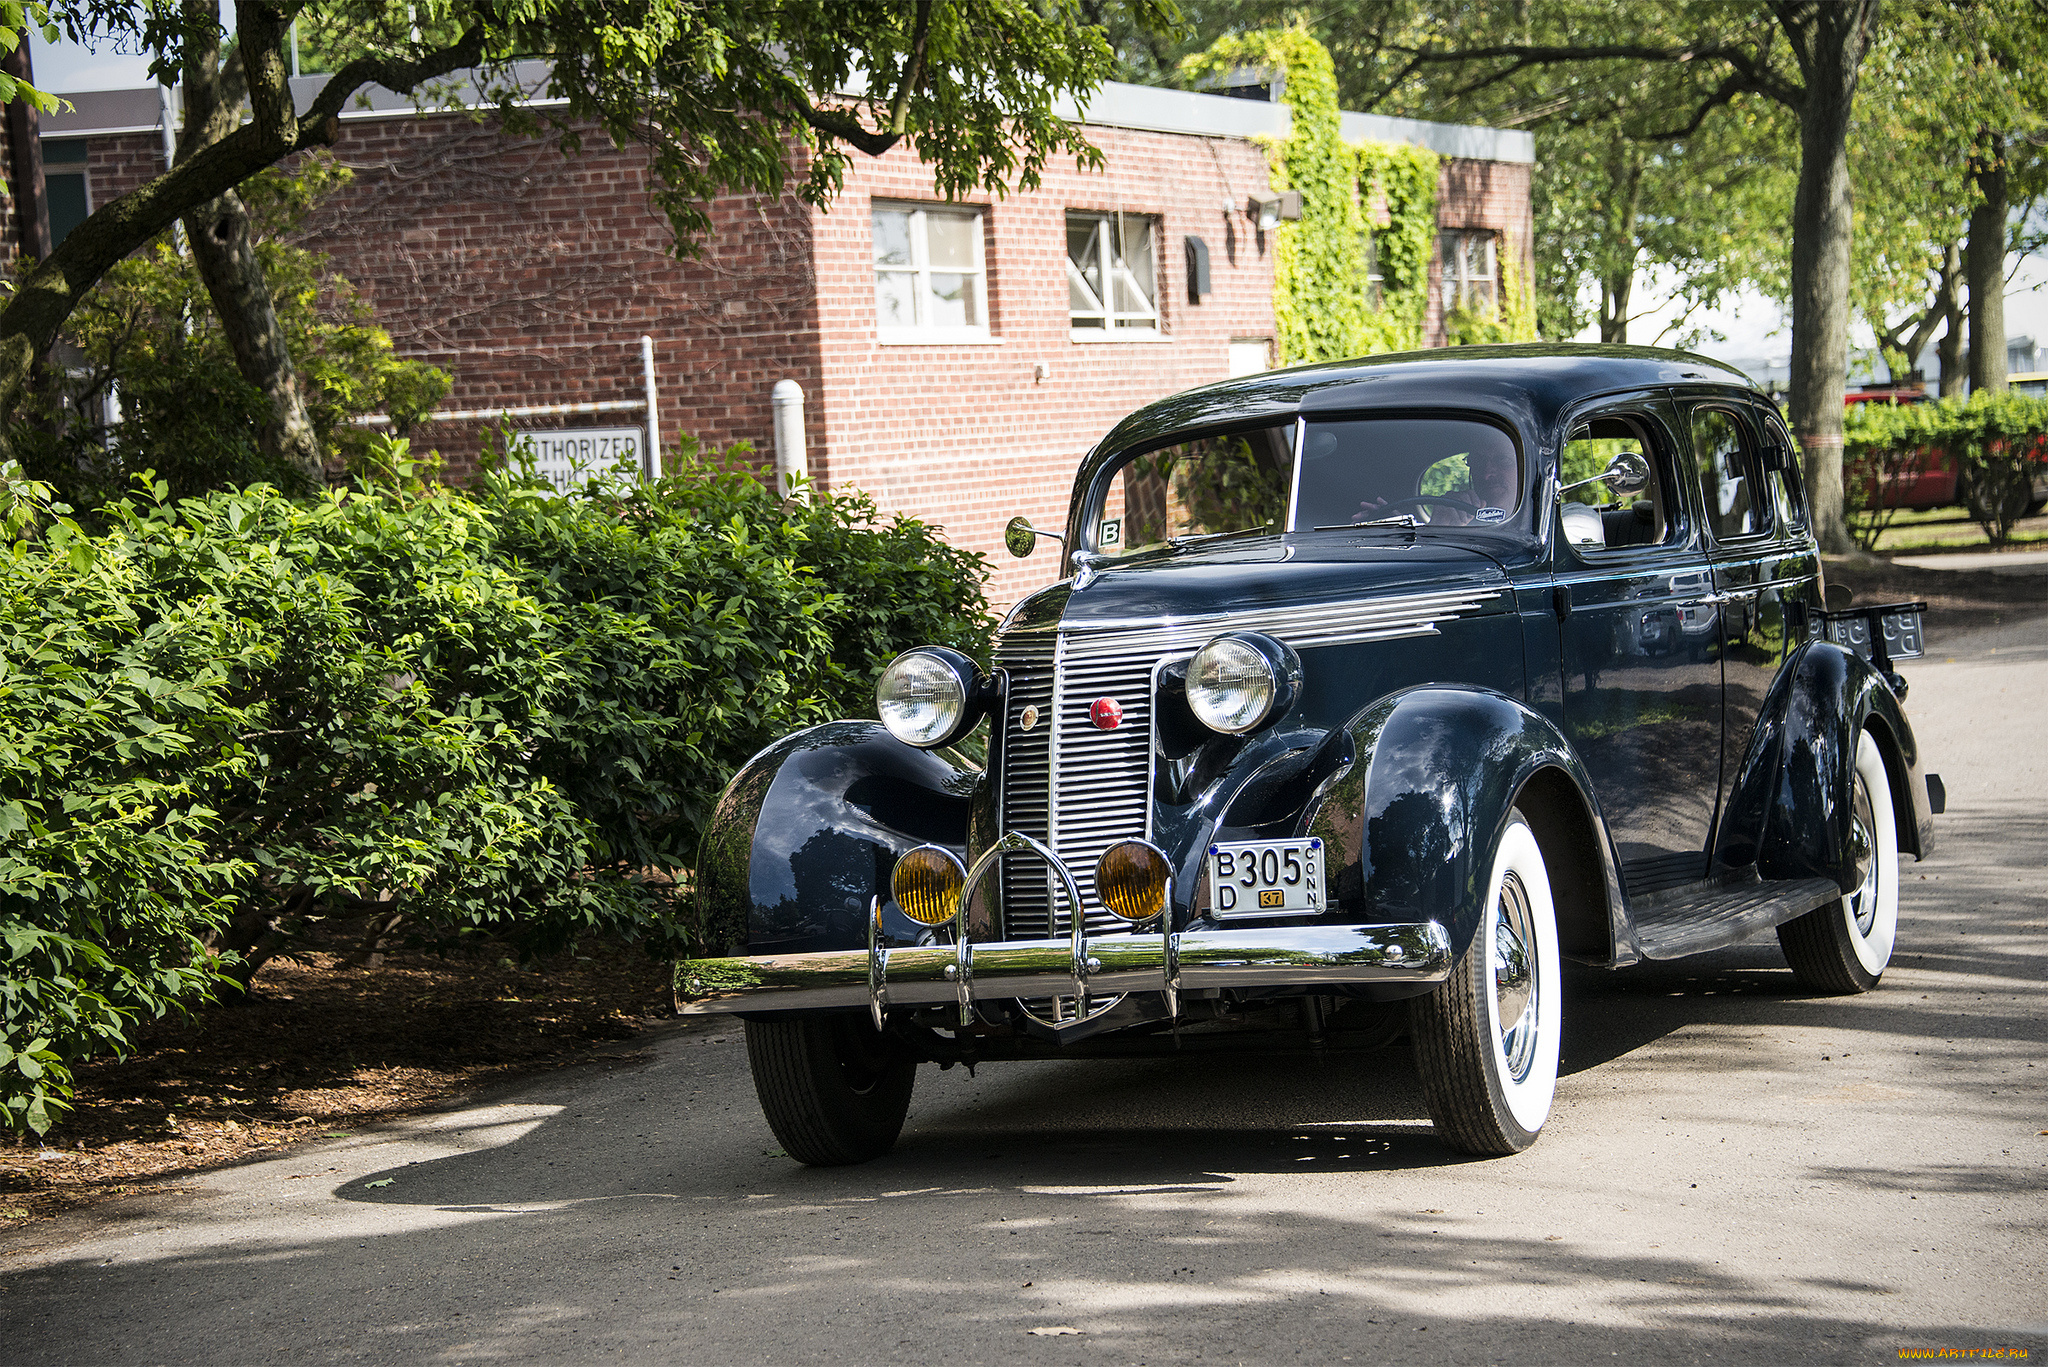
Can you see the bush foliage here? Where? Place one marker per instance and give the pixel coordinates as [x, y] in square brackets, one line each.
[434, 714]
[1998, 441]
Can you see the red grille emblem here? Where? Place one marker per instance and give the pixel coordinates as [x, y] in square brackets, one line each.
[1106, 713]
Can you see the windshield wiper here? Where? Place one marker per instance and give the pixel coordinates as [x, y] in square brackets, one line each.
[1178, 541]
[1397, 520]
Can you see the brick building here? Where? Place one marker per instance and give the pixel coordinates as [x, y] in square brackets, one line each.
[955, 359]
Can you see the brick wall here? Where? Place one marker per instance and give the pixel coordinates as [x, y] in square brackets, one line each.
[968, 435]
[530, 277]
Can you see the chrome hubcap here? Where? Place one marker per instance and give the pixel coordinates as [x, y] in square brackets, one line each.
[1515, 985]
[1863, 859]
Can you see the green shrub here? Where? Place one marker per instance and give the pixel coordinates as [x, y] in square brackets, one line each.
[1999, 442]
[433, 715]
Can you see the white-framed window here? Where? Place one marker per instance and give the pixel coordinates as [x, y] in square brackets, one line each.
[930, 279]
[1471, 274]
[1375, 275]
[1112, 275]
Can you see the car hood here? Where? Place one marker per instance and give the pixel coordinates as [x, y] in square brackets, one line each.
[1245, 575]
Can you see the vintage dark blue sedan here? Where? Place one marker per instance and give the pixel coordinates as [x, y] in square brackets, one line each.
[1373, 692]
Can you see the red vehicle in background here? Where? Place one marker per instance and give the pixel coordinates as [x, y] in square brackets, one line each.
[1930, 477]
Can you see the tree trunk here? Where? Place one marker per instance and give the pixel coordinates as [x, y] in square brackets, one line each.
[1987, 267]
[1831, 54]
[1617, 286]
[1950, 352]
[1614, 294]
[221, 248]
[218, 231]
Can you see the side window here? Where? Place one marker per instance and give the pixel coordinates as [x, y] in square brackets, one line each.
[1731, 487]
[1595, 518]
[1788, 486]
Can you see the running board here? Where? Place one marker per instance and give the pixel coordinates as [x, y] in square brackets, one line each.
[1718, 912]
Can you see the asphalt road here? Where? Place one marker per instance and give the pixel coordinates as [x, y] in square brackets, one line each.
[1734, 1172]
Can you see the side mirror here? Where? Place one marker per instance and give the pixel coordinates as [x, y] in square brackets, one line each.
[1627, 473]
[1020, 538]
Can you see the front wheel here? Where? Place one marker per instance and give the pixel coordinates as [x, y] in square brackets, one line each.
[1843, 948]
[1486, 1040]
[834, 1090]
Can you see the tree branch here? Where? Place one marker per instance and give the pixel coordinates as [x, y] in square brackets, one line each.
[913, 70]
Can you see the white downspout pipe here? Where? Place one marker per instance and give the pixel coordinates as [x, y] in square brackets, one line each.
[790, 460]
[650, 465]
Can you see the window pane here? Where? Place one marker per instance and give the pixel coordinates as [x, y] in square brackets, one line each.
[1081, 298]
[1443, 471]
[1200, 488]
[894, 299]
[1084, 252]
[1133, 298]
[1137, 259]
[952, 302]
[66, 197]
[1727, 473]
[892, 238]
[949, 240]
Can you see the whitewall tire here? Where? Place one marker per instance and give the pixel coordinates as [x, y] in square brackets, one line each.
[1487, 1039]
[1843, 947]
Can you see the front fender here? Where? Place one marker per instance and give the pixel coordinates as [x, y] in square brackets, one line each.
[810, 829]
[1788, 810]
[1411, 829]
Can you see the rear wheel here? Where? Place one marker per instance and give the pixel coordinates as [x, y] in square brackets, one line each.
[1486, 1040]
[834, 1091]
[1843, 947]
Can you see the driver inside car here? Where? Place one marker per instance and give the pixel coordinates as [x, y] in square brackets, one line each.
[1489, 496]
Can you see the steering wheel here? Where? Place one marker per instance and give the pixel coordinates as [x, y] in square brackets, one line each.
[1388, 507]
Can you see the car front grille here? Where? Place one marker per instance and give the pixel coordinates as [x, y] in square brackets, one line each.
[1080, 789]
[1067, 782]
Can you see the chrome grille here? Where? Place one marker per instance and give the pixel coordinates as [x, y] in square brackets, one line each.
[1067, 782]
[1101, 780]
[1027, 779]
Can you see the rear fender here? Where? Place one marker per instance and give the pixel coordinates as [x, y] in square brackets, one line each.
[1410, 831]
[1788, 810]
[810, 829]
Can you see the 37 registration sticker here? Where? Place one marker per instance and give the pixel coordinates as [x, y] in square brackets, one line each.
[1266, 878]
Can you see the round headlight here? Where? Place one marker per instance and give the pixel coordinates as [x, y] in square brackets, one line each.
[1130, 879]
[927, 883]
[1236, 682]
[922, 697]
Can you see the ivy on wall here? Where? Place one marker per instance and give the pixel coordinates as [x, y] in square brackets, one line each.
[1403, 180]
[1322, 305]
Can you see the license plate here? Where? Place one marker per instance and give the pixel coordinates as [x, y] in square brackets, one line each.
[1902, 639]
[1266, 878]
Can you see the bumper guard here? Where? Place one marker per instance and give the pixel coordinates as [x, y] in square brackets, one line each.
[1075, 965]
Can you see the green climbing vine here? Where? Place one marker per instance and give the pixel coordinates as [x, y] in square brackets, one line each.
[1322, 305]
[1403, 180]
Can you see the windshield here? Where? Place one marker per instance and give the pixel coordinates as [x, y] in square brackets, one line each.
[1208, 486]
[1441, 472]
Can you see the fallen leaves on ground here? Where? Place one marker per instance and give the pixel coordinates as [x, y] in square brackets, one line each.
[321, 1047]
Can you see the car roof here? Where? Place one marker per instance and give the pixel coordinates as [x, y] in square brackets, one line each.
[1527, 385]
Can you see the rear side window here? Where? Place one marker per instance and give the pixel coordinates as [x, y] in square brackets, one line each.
[1788, 484]
[1596, 518]
[1730, 475]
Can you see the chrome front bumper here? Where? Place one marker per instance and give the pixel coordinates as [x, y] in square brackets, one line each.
[924, 975]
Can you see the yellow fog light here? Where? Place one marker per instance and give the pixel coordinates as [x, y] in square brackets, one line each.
[1130, 878]
[926, 885]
